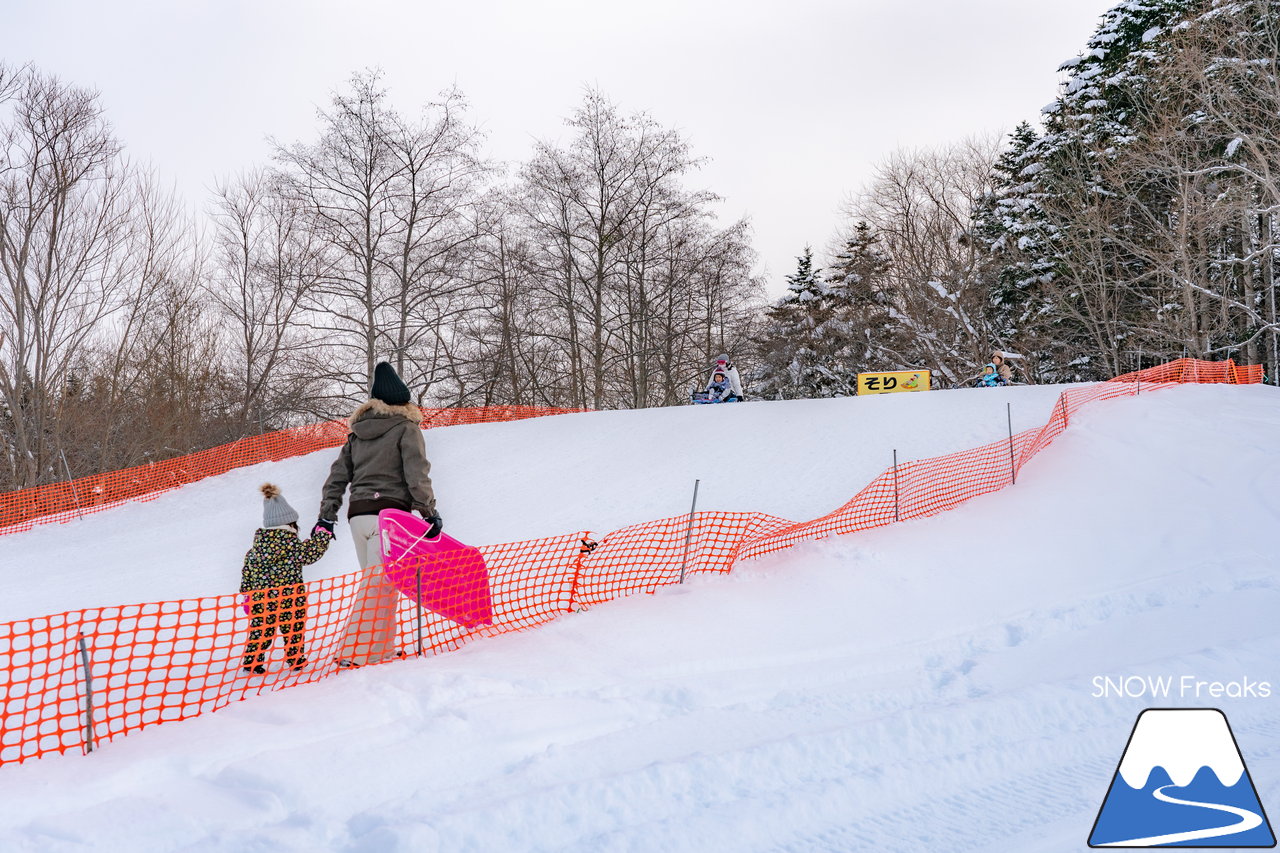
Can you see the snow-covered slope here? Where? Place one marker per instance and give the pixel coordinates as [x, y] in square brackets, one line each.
[524, 480]
[923, 687]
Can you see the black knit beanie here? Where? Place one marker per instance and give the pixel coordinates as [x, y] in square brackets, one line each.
[388, 387]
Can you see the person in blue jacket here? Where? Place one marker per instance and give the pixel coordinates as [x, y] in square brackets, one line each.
[720, 389]
[990, 378]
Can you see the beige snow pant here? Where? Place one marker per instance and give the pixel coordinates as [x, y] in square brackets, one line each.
[370, 635]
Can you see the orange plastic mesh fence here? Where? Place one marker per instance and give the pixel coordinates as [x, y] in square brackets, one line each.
[165, 661]
[645, 556]
[64, 501]
[153, 663]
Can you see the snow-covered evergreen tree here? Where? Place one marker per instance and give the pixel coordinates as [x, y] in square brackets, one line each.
[1057, 219]
[1012, 221]
[869, 338]
[799, 354]
[858, 266]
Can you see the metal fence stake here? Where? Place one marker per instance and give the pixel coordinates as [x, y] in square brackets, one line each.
[88, 693]
[688, 534]
[419, 583]
[71, 482]
[897, 513]
[1013, 468]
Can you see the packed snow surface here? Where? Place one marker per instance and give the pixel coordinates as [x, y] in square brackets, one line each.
[524, 480]
[928, 686]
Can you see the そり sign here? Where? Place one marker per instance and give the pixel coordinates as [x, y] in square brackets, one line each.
[892, 381]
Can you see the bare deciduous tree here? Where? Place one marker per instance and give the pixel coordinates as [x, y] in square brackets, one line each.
[921, 204]
[268, 263]
[66, 265]
[624, 253]
[391, 200]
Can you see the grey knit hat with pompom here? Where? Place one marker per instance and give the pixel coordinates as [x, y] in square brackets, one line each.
[276, 511]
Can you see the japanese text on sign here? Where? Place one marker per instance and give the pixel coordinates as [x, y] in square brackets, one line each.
[898, 380]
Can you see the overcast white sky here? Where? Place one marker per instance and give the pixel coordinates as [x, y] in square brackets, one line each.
[794, 102]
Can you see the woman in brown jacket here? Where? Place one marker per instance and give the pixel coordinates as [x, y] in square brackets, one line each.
[384, 462]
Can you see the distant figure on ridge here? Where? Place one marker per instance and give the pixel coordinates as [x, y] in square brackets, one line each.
[725, 385]
[719, 389]
[1003, 371]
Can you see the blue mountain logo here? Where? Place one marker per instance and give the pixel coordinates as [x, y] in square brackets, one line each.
[1182, 782]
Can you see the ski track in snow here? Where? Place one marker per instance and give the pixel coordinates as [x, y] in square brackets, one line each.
[924, 687]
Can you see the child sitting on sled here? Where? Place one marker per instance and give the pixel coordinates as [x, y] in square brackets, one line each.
[272, 577]
[720, 389]
[723, 365]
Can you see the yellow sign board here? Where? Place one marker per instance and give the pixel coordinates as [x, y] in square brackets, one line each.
[892, 381]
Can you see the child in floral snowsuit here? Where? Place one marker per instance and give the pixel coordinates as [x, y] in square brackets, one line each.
[272, 576]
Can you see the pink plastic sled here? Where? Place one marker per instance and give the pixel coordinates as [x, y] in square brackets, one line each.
[452, 577]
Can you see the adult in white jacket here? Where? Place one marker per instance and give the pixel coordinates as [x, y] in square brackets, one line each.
[724, 366]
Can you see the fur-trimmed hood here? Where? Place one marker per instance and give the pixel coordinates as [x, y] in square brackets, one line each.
[374, 408]
[383, 461]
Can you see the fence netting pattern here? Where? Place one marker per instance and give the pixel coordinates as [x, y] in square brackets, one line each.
[79, 679]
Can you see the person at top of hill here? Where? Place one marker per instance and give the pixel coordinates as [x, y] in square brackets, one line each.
[730, 373]
[384, 463]
[1003, 371]
[719, 389]
[272, 576]
[990, 378]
